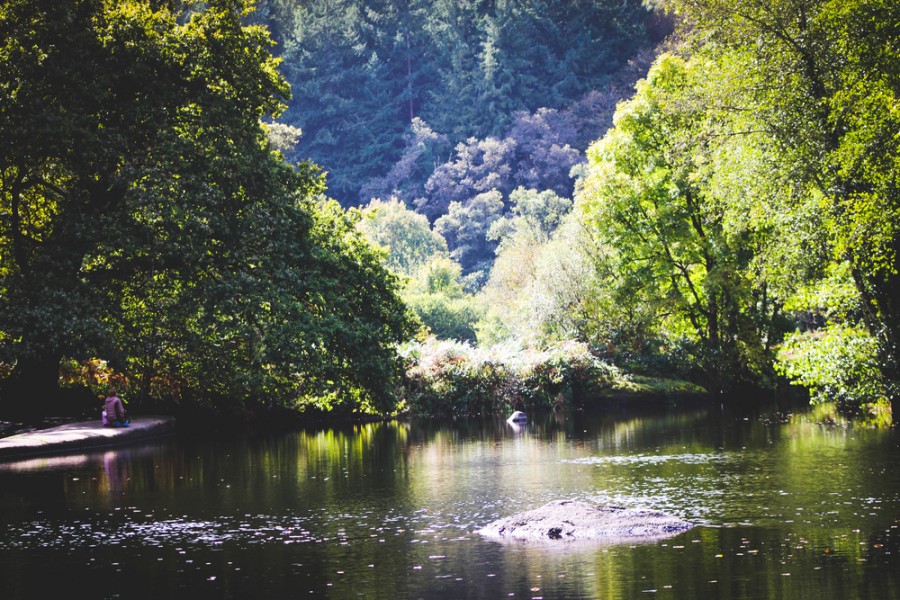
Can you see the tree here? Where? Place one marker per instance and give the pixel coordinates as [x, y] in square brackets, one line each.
[498, 58]
[544, 152]
[480, 166]
[424, 150]
[342, 97]
[466, 226]
[364, 72]
[145, 218]
[533, 214]
[347, 319]
[646, 197]
[437, 296]
[820, 79]
[517, 294]
[405, 234]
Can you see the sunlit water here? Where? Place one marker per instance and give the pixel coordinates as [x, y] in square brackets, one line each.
[785, 508]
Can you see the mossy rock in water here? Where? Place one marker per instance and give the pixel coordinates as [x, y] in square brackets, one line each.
[572, 520]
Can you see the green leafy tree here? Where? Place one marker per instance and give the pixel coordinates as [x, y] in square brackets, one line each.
[532, 213]
[820, 79]
[145, 218]
[533, 269]
[433, 289]
[346, 325]
[645, 196]
[466, 226]
[437, 296]
[405, 234]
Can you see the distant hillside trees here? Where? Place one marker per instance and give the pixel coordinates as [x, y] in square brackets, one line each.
[369, 77]
[433, 283]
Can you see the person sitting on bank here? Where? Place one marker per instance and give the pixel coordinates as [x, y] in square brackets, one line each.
[115, 411]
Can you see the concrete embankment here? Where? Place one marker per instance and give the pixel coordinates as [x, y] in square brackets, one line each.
[83, 435]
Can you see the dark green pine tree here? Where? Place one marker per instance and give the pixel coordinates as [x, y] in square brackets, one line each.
[362, 71]
[452, 104]
[341, 95]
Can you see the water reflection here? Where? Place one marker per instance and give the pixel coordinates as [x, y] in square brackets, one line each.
[788, 508]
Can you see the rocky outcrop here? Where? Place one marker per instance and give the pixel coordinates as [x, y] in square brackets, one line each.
[572, 520]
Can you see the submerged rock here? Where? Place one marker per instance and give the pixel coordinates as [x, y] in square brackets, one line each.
[573, 520]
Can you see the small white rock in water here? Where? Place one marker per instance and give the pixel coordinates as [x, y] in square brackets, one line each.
[573, 520]
[518, 417]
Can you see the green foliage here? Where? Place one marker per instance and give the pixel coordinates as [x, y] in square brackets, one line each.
[452, 378]
[466, 226]
[663, 243]
[533, 213]
[837, 364]
[147, 220]
[405, 234]
[364, 72]
[436, 295]
[346, 325]
[830, 298]
[434, 290]
[446, 317]
[815, 83]
[539, 272]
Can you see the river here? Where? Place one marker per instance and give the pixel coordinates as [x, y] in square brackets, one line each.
[785, 508]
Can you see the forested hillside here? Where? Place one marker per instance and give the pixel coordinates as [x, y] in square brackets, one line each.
[737, 225]
[550, 187]
[385, 90]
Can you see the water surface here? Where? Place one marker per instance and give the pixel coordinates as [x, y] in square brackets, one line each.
[786, 508]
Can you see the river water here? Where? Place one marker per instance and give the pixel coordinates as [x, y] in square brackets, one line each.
[785, 508]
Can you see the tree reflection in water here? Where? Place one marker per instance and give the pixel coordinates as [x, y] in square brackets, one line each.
[787, 508]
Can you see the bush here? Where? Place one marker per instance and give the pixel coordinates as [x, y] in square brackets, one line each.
[449, 378]
[838, 364]
[446, 317]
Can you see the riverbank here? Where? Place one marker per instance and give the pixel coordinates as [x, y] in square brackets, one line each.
[83, 435]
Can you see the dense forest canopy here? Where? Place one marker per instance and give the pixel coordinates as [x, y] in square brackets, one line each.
[555, 177]
[146, 219]
[735, 225]
[376, 81]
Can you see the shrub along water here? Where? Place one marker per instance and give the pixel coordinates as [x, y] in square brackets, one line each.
[449, 378]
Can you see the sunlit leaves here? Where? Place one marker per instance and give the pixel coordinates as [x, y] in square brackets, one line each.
[145, 219]
[405, 234]
[819, 79]
[837, 364]
[649, 198]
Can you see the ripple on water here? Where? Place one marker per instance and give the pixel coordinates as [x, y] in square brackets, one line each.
[138, 530]
[650, 459]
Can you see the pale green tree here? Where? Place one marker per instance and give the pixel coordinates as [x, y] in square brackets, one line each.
[437, 297]
[646, 198]
[406, 235]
